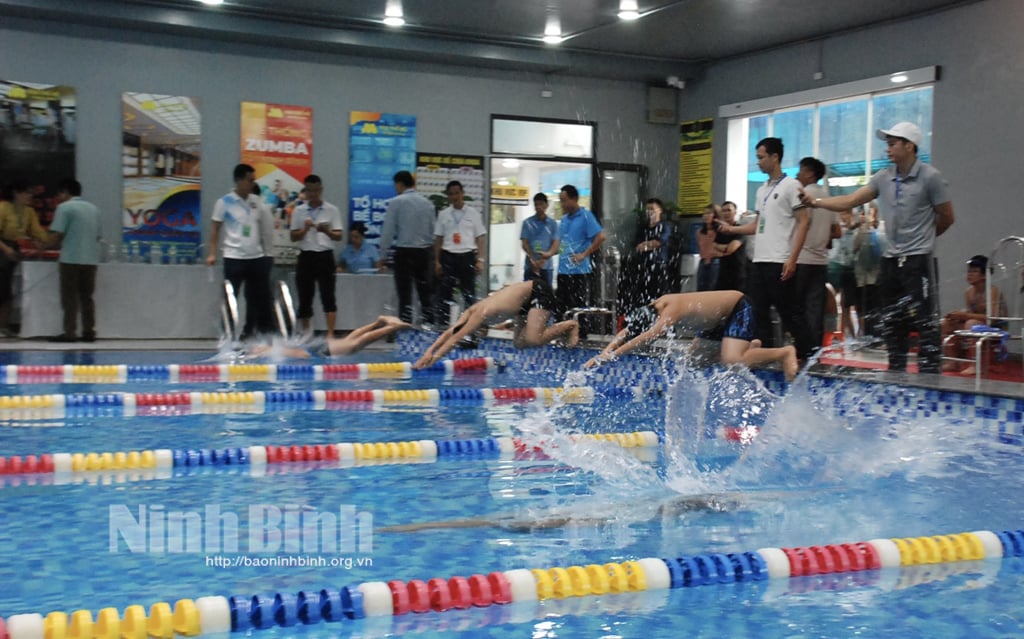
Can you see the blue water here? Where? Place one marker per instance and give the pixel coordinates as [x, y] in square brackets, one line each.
[817, 475]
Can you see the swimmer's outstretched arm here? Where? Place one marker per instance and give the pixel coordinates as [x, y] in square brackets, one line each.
[472, 319]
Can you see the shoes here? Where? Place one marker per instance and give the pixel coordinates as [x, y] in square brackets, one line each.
[9, 333]
[89, 337]
[64, 339]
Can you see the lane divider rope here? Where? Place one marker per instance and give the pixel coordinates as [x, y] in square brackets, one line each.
[219, 614]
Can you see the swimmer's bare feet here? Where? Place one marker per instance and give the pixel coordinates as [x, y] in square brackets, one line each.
[394, 322]
[790, 365]
[574, 335]
[970, 371]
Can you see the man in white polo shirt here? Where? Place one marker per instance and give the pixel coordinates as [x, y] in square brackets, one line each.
[316, 226]
[459, 234]
[246, 260]
[781, 228]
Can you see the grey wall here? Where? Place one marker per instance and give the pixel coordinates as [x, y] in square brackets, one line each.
[453, 105]
[978, 128]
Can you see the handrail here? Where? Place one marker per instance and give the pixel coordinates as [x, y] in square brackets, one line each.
[285, 311]
[229, 312]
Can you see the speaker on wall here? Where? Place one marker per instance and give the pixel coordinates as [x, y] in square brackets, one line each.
[661, 105]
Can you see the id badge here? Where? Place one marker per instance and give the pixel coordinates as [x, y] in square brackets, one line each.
[457, 237]
[246, 231]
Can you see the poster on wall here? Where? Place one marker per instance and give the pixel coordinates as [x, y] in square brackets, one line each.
[160, 162]
[277, 141]
[695, 165]
[37, 140]
[435, 170]
[380, 145]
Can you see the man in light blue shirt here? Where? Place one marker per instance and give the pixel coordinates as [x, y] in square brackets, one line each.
[76, 229]
[580, 235]
[540, 241]
[409, 224]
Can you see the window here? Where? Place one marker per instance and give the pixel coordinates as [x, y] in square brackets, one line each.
[836, 125]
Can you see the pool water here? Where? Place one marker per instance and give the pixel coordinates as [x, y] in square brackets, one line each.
[834, 463]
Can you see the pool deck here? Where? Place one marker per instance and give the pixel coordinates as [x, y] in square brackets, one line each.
[933, 382]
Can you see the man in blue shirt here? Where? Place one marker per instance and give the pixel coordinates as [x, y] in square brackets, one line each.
[540, 241]
[580, 235]
[358, 256]
[409, 223]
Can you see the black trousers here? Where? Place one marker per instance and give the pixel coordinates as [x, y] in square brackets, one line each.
[810, 298]
[766, 289]
[315, 269]
[254, 276]
[908, 298]
[414, 265]
[458, 270]
[77, 285]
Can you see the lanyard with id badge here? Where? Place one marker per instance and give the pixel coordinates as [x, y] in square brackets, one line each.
[456, 236]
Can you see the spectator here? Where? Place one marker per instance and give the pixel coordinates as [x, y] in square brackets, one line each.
[18, 222]
[643, 278]
[840, 271]
[459, 240]
[76, 229]
[358, 256]
[869, 245]
[732, 258]
[316, 226]
[707, 270]
[409, 224]
[975, 311]
[812, 263]
[540, 241]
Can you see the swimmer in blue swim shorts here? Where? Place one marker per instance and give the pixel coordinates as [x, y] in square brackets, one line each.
[725, 316]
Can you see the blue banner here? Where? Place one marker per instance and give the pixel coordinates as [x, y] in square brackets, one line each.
[380, 145]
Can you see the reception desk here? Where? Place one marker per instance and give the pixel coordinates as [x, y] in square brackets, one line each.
[171, 301]
[133, 301]
[360, 298]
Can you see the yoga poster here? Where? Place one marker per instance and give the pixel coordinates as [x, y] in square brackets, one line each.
[160, 162]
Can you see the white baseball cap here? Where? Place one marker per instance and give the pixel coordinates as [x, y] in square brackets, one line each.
[905, 130]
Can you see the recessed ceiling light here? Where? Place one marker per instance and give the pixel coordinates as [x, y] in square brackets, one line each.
[898, 78]
[553, 30]
[393, 16]
[510, 163]
[212, 3]
[628, 10]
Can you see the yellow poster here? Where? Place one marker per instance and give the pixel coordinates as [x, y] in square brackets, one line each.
[695, 165]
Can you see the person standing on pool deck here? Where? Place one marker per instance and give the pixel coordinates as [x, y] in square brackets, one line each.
[409, 224]
[580, 236]
[915, 205]
[316, 225]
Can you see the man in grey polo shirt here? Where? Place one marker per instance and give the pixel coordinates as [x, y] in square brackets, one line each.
[409, 224]
[914, 203]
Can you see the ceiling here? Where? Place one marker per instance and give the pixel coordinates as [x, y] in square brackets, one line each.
[672, 37]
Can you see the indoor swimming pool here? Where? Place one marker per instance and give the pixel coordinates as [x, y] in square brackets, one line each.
[510, 496]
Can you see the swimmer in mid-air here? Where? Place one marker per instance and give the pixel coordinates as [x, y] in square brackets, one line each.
[357, 340]
[725, 316]
[532, 298]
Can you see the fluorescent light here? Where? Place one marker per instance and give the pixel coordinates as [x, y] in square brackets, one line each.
[212, 3]
[898, 78]
[553, 30]
[628, 10]
[504, 182]
[393, 16]
[510, 163]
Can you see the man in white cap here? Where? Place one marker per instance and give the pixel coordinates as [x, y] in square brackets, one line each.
[914, 202]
